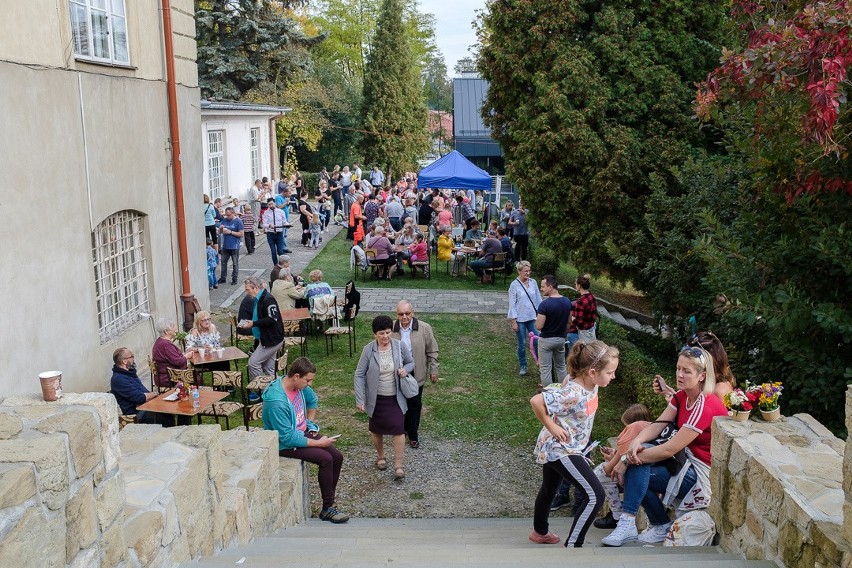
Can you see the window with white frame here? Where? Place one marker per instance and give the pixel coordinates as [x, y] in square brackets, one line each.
[216, 163]
[121, 273]
[255, 153]
[99, 30]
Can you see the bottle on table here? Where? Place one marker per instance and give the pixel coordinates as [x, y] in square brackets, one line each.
[196, 398]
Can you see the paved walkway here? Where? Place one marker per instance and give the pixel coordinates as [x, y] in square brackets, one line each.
[228, 297]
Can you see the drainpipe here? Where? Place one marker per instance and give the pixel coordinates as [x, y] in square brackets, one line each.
[190, 304]
[274, 159]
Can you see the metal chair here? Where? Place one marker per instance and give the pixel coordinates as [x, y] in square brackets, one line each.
[424, 265]
[336, 329]
[185, 376]
[253, 407]
[238, 340]
[498, 264]
[223, 380]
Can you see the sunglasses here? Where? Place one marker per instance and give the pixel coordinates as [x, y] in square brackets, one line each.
[694, 352]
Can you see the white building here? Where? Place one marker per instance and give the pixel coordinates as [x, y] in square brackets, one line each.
[86, 185]
[239, 145]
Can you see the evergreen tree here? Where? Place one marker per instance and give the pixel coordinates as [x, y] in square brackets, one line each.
[395, 115]
[592, 105]
[243, 44]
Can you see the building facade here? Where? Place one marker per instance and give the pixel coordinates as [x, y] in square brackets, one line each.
[86, 185]
[239, 145]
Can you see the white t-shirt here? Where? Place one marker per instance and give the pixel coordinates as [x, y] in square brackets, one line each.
[573, 408]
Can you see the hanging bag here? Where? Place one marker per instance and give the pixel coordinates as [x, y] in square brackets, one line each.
[675, 463]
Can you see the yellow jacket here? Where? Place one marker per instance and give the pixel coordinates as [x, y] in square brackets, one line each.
[445, 247]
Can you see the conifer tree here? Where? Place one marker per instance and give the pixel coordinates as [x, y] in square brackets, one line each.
[395, 117]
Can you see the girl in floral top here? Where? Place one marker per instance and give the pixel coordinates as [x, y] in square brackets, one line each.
[567, 414]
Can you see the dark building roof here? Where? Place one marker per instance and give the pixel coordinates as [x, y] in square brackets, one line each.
[471, 136]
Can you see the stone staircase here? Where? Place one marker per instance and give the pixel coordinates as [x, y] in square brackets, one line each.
[404, 543]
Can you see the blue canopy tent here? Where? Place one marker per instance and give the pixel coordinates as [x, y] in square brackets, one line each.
[453, 171]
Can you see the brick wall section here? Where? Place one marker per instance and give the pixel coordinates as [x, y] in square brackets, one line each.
[778, 491]
[75, 492]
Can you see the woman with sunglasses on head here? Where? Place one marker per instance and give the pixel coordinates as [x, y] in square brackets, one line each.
[643, 470]
[725, 381]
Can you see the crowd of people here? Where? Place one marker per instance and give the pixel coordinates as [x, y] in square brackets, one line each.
[658, 464]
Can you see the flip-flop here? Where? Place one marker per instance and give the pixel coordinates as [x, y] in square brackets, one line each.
[399, 473]
[381, 464]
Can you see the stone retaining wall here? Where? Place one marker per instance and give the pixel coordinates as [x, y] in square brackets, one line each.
[780, 490]
[75, 492]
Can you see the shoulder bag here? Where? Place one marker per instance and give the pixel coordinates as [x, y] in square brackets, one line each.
[407, 384]
[675, 463]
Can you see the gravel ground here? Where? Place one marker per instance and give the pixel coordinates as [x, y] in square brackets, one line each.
[443, 479]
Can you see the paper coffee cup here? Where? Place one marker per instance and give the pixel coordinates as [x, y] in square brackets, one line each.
[51, 385]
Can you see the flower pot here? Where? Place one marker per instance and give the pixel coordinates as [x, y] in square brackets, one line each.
[771, 415]
[740, 415]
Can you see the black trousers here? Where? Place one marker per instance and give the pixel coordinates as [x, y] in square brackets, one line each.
[412, 417]
[248, 237]
[522, 247]
[573, 467]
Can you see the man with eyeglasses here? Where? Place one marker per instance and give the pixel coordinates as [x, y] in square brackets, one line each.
[128, 390]
[420, 339]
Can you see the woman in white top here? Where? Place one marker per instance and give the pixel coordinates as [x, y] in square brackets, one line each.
[203, 333]
[524, 298]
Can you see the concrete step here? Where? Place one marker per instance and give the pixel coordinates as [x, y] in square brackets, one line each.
[452, 542]
[634, 323]
[618, 318]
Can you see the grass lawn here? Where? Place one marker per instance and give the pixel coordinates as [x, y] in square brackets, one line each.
[479, 395]
[333, 260]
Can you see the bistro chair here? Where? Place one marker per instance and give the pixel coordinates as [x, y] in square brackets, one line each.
[225, 380]
[185, 376]
[336, 329]
[423, 265]
[498, 265]
[242, 342]
[254, 404]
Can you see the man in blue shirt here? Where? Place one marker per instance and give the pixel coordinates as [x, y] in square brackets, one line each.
[127, 389]
[232, 234]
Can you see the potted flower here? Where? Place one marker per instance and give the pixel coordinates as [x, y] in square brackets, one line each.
[739, 404]
[767, 395]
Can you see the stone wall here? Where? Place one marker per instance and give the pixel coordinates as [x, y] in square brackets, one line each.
[780, 490]
[75, 492]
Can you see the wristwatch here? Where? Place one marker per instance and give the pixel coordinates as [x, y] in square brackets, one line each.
[624, 459]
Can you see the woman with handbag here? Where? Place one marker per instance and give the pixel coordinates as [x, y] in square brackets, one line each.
[524, 298]
[383, 381]
[645, 470]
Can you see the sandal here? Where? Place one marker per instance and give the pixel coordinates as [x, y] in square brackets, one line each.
[399, 473]
[381, 464]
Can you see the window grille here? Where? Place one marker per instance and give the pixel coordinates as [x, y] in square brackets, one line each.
[99, 30]
[216, 163]
[121, 273]
[255, 153]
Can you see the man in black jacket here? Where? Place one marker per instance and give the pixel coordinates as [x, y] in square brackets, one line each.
[266, 326]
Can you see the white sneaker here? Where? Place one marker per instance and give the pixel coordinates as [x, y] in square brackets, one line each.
[625, 531]
[655, 533]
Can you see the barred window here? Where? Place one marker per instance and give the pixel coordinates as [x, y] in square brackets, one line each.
[255, 153]
[121, 273]
[99, 30]
[216, 163]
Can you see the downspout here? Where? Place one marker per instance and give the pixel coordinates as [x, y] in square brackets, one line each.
[190, 304]
[274, 154]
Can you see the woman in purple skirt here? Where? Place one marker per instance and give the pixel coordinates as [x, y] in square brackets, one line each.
[377, 391]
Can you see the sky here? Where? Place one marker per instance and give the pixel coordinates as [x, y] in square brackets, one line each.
[453, 30]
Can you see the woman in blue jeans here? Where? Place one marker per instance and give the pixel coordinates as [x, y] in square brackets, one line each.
[644, 471]
[524, 299]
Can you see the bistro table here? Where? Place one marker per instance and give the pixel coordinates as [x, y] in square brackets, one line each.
[210, 356]
[182, 407]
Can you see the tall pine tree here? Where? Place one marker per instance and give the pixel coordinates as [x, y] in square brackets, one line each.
[395, 116]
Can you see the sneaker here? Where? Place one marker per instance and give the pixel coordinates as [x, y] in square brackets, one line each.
[523, 372]
[548, 538]
[607, 522]
[625, 531]
[253, 397]
[655, 534]
[560, 501]
[332, 515]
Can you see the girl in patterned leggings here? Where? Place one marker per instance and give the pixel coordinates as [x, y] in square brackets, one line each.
[567, 413]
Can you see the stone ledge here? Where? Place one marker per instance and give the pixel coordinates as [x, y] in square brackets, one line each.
[778, 491]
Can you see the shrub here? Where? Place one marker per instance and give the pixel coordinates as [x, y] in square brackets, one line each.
[543, 261]
[311, 182]
[636, 370]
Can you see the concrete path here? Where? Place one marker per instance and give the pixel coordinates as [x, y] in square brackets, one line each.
[480, 543]
[228, 297]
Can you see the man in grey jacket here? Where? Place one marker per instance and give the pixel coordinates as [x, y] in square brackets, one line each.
[420, 339]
